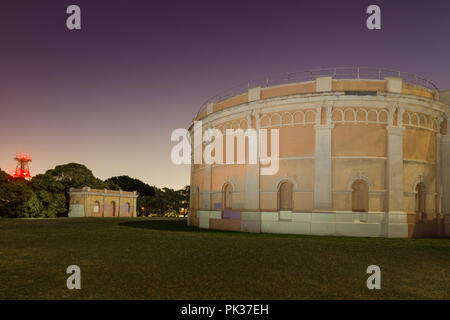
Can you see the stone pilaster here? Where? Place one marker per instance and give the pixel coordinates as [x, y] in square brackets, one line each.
[120, 203]
[87, 201]
[104, 202]
[397, 222]
[206, 192]
[395, 169]
[86, 205]
[438, 173]
[438, 199]
[210, 108]
[324, 84]
[134, 203]
[394, 84]
[445, 172]
[323, 165]
[192, 200]
[254, 94]
[253, 171]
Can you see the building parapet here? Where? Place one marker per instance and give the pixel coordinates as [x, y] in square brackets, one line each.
[103, 192]
[323, 80]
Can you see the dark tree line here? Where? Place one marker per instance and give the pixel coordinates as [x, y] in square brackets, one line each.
[45, 195]
[164, 202]
[130, 184]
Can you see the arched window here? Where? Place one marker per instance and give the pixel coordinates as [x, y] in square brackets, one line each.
[127, 207]
[420, 200]
[113, 208]
[227, 196]
[285, 195]
[96, 206]
[360, 196]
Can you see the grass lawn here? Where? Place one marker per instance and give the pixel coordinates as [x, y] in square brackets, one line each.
[151, 258]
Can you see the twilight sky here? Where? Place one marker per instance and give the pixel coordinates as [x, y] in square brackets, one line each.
[109, 96]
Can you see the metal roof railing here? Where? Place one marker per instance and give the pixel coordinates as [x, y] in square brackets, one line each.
[311, 75]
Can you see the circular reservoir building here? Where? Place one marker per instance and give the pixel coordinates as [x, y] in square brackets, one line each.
[362, 152]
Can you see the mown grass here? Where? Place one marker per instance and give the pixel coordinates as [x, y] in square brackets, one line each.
[151, 258]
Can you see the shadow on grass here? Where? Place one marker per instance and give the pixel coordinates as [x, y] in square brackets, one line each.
[179, 225]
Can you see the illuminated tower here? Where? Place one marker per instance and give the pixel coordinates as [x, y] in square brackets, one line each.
[22, 168]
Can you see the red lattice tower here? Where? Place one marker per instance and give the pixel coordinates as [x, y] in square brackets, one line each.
[22, 168]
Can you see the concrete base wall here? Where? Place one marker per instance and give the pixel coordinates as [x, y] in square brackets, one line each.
[343, 223]
[225, 224]
[203, 217]
[251, 221]
[354, 224]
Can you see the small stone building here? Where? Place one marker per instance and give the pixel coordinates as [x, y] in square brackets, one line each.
[87, 202]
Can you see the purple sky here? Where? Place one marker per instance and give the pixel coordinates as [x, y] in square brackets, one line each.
[110, 95]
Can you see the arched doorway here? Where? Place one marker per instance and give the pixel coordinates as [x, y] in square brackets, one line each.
[227, 196]
[285, 196]
[113, 208]
[360, 196]
[96, 208]
[420, 201]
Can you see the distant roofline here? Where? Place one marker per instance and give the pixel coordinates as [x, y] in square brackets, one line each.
[88, 190]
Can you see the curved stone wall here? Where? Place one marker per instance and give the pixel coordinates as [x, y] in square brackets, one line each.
[361, 157]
